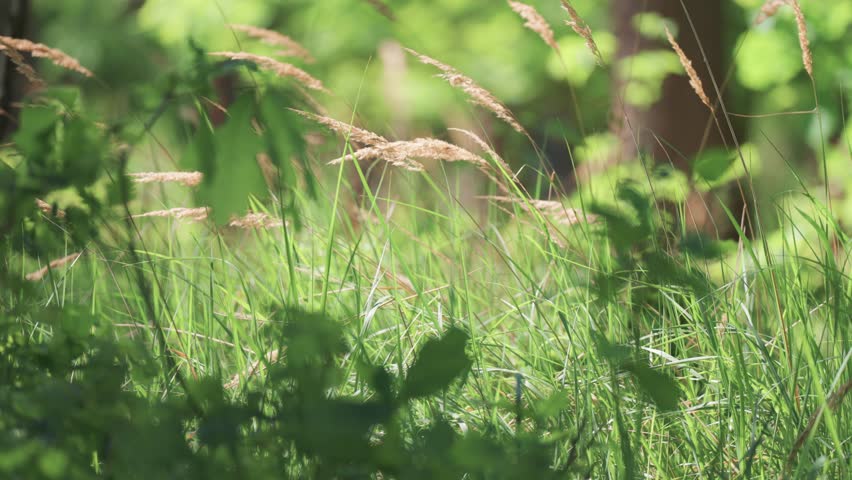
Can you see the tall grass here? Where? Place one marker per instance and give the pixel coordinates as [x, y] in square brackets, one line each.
[631, 346]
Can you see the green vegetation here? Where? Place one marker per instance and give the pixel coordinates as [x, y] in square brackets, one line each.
[188, 289]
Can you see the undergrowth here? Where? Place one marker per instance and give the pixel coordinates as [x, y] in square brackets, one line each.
[288, 319]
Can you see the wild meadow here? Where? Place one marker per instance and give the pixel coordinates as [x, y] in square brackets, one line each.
[366, 239]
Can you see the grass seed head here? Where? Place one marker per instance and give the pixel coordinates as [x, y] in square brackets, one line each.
[256, 221]
[359, 135]
[180, 213]
[582, 29]
[478, 95]
[280, 69]
[22, 66]
[291, 48]
[57, 57]
[401, 154]
[535, 22]
[189, 179]
[694, 79]
[802, 27]
[768, 10]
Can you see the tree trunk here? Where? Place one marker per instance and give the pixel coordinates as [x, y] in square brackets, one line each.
[14, 19]
[678, 126]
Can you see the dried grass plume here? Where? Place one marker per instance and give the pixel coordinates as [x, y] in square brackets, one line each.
[694, 79]
[582, 29]
[22, 66]
[801, 25]
[553, 209]
[280, 69]
[401, 154]
[344, 129]
[478, 95]
[535, 22]
[256, 221]
[291, 48]
[180, 213]
[57, 57]
[768, 10]
[189, 179]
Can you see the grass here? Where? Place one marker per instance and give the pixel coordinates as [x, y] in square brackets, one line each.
[635, 348]
[524, 290]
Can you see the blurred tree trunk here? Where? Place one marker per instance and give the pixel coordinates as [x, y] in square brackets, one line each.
[14, 20]
[678, 126]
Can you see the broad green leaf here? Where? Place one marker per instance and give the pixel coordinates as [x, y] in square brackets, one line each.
[53, 463]
[669, 183]
[234, 175]
[768, 57]
[663, 389]
[645, 72]
[702, 246]
[653, 25]
[712, 165]
[439, 362]
[578, 63]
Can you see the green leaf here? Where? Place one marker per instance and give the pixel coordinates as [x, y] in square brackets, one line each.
[53, 463]
[440, 361]
[701, 246]
[551, 406]
[653, 25]
[233, 175]
[712, 165]
[768, 57]
[663, 389]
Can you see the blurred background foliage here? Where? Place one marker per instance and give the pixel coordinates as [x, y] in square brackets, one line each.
[136, 47]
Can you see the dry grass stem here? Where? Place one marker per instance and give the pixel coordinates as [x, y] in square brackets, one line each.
[256, 220]
[344, 129]
[189, 179]
[291, 48]
[280, 69]
[195, 214]
[768, 10]
[47, 209]
[57, 57]
[801, 25]
[694, 80]
[582, 29]
[535, 22]
[59, 262]
[400, 154]
[478, 95]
